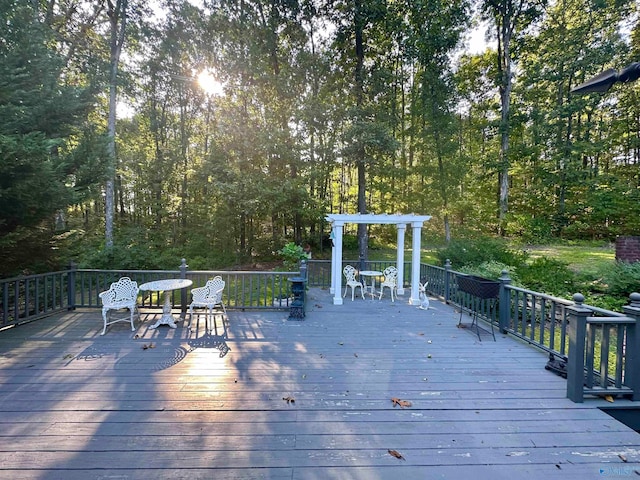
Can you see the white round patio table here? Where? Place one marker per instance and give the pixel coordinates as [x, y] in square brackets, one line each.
[166, 286]
[372, 274]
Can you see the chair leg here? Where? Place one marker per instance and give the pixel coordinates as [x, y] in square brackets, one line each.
[105, 314]
[190, 315]
[207, 318]
[133, 309]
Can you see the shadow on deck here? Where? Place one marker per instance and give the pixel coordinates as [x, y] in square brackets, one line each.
[260, 396]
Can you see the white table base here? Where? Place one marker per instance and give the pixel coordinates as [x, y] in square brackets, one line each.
[167, 318]
[165, 287]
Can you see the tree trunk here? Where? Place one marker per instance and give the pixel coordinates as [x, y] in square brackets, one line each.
[504, 52]
[360, 155]
[117, 16]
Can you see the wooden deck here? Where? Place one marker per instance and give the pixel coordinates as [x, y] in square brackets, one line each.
[75, 405]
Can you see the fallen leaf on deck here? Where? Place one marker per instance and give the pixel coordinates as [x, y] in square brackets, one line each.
[401, 403]
[608, 398]
[145, 346]
[68, 355]
[289, 399]
[396, 454]
[622, 457]
[355, 355]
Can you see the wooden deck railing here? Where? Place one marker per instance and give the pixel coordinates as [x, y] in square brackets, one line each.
[600, 347]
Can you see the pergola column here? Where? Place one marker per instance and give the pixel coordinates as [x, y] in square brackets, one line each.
[415, 263]
[400, 257]
[336, 262]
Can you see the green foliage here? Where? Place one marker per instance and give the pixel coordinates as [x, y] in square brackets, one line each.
[622, 279]
[493, 270]
[473, 252]
[43, 108]
[292, 254]
[548, 275]
[350, 242]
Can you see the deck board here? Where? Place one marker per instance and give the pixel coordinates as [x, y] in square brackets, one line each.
[201, 405]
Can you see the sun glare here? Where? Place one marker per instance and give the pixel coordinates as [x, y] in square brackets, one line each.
[209, 83]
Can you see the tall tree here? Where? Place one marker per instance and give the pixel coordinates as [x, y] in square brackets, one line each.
[366, 133]
[117, 13]
[510, 18]
[41, 132]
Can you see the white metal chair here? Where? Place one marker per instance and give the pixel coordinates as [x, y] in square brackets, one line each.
[209, 296]
[390, 281]
[121, 295]
[350, 274]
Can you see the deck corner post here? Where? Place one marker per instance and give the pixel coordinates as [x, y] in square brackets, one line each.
[504, 302]
[71, 286]
[447, 283]
[632, 374]
[578, 315]
[183, 291]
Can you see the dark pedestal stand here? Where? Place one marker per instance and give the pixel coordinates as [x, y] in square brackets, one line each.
[298, 289]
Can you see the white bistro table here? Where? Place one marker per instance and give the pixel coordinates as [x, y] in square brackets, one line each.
[373, 274]
[165, 287]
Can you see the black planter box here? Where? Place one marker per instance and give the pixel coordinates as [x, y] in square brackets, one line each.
[478, 286]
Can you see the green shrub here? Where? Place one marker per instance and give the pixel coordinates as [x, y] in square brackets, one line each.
[493, 271]
[291, 255]
[350, 242]
[469, 253]
[622, 279]
[550, 276]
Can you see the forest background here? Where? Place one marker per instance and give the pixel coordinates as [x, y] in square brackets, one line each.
[242, 123]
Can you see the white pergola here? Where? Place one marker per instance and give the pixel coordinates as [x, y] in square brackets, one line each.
[338, 221]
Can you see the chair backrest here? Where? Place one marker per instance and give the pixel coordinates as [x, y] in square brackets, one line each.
[123, 290]
[390, 275]
[212, 290]
[349, 273]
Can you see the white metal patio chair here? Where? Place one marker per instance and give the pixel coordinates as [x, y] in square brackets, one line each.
[209, 296]
[121, 295]
[350, 274]
[390, 281]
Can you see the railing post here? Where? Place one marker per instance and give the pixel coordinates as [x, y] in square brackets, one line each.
[632, 347]
[447, 269]
[504, 302]
[577, 334]
[71, 286]
[303, 269]
[183, 291]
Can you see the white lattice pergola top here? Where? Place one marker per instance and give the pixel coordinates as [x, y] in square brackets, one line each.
[416, 222]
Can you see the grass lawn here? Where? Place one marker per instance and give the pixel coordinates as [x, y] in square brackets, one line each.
[588, 259]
